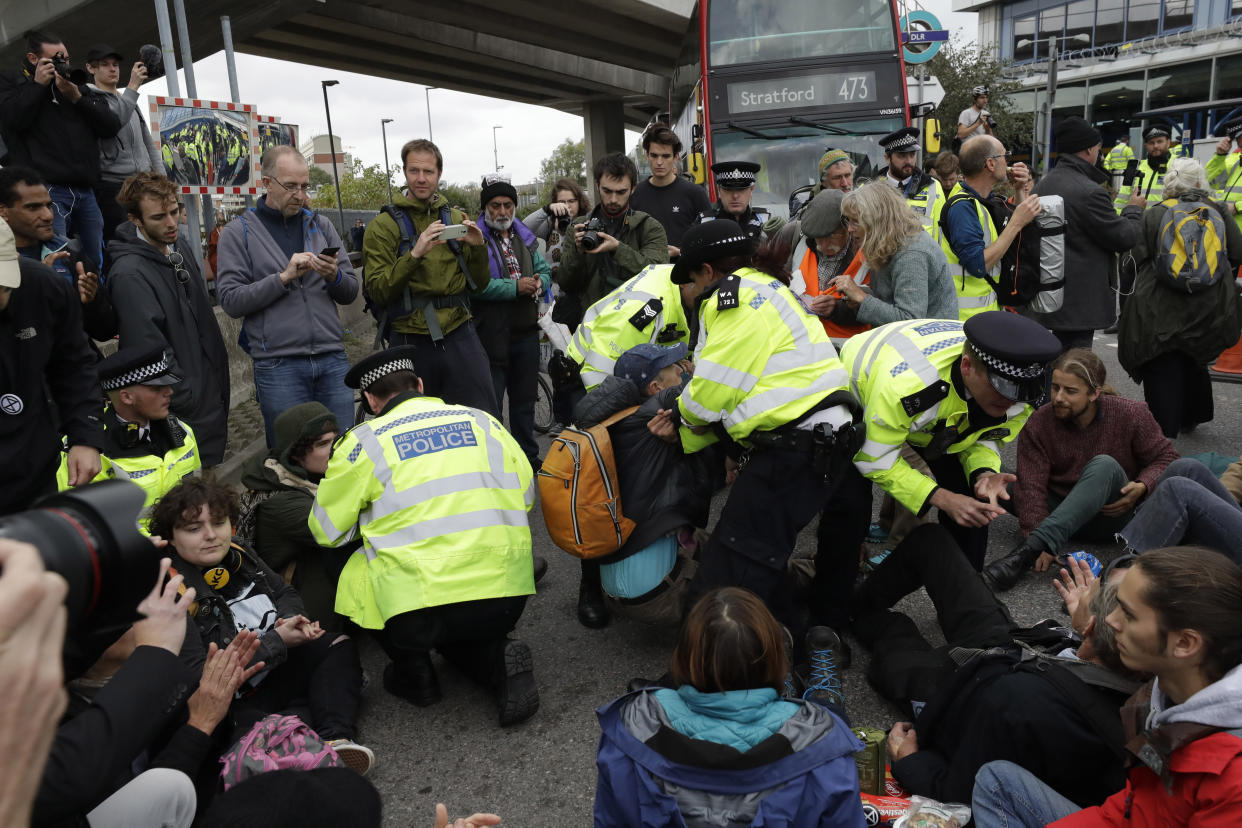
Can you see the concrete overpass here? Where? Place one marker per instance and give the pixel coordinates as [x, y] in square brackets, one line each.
[610, 61]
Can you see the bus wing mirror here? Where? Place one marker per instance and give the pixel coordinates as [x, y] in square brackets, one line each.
[697, 165]
[931, 135]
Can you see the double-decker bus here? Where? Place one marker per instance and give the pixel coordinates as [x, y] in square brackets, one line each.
[779, 82]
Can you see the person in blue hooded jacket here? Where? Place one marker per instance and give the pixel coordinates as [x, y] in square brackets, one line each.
[725, 749]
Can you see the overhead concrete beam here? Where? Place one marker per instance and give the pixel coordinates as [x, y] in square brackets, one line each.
[604, 124]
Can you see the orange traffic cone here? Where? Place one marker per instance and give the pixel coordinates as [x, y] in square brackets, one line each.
[1230, 362]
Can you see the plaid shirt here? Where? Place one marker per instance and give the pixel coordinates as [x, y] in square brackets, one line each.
[511, 261]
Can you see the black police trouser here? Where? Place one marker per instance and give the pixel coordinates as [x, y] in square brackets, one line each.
[775, 496]
[904, 666]
[456, 369]
[469, 634]
[843, 525]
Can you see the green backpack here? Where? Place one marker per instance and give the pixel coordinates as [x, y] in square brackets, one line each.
[1191, 256]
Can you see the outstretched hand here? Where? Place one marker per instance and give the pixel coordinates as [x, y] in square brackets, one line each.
[1075, 588]
[472, 821]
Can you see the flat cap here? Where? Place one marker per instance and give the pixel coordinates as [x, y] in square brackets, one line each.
[822, 216]
[1016, 351]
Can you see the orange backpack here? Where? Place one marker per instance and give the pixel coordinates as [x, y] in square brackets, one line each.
[579, 493]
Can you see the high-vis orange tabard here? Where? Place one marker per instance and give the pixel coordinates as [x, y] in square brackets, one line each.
[857, 269]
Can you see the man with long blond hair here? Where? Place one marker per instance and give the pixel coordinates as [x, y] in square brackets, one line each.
[1085, 461]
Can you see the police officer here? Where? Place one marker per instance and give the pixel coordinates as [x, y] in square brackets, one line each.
[1149, 180]
[143, 443]
[954, 392]
[1120, 155]
[439, 494]
[768, 381]
[648, 308]
[735, 185]
[1224, 170]
[922, 192]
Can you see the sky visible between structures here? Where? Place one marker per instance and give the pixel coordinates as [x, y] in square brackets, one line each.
[461, 123]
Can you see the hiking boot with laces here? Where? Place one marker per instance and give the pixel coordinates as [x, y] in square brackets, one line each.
[823, 684]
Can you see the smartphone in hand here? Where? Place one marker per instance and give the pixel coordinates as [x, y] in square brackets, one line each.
[453, 231]
[330, 251]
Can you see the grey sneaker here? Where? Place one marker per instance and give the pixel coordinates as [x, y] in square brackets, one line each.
[356, 757]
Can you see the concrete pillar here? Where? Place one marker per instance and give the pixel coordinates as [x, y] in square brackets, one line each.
[604, 123]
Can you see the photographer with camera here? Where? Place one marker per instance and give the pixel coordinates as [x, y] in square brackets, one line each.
[550, 222]
[53, 122]
[611, 244]
[975, 119]
[27, 206]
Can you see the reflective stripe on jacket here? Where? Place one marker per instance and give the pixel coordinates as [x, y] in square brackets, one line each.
[974, 295]
[762, 360]
[902, 373]
[645, 309]
[440, 495]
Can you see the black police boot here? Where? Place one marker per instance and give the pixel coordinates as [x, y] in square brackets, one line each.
[541, 567]
[592, 612]
[517, 694]
[1003, 574]
[415, 681]
[823, 683]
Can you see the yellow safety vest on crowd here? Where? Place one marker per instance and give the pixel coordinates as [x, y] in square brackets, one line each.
[645, 309]
[1225, 175]
[1118, 157]
[439, 494]
[904, 375]
[154, 474]
[762, 360]
[1148, 182]
[928, 203]
[974, 295]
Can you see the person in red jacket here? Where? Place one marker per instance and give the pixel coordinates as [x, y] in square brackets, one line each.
[1179, 617]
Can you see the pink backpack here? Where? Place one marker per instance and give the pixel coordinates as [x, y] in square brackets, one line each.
[276, 743]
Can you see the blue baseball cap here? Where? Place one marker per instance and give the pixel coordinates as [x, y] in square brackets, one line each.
[641, 363]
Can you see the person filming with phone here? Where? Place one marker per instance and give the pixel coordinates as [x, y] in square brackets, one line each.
[283, 269]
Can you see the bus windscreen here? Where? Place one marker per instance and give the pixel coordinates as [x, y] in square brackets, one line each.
[752, 31]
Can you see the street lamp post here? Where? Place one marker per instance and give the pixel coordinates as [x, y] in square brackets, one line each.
[336, 178]
[427, 97]
[495, 151]
[387, 172]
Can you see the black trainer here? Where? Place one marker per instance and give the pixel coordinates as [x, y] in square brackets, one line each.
[517, 695]
[823, 684]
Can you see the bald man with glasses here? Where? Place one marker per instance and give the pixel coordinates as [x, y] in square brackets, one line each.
[283, 269]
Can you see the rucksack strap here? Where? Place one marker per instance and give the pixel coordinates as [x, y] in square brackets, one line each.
[619, 416]
[446, 218]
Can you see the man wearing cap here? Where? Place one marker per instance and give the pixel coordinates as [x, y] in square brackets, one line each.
[823, 250]
[132, 150]
[1094, 234]
[43, 353]
[920, 190]
[439, 494]
[1119, 156]
[506, 311]
[649, 308]
[1149, 179]
[143, 442]
[836, 172]
[767, 381]
[735, 185]
[665, 492]
[1223, 170]
[971, 242]
[975, 119]
[954, 392]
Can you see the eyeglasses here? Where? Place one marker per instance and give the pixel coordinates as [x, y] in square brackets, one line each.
[293, 188]
[1005, 155]
[1120, 562]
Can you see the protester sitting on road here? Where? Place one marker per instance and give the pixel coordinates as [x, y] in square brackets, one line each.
[280, 492]
[909, 275]
[1169, 336]
[665, 492]
[1188, 505]
[1179, 616]
[1045, 697]
[236, 591]
[1086, 459]
[724, 749]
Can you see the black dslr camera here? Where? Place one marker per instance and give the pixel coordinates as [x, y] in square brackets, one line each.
[591, 239]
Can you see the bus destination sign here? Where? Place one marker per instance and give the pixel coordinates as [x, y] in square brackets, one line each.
[827, 89]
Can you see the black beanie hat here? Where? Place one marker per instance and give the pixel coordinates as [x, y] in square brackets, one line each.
[1075, 135]
[495, 185]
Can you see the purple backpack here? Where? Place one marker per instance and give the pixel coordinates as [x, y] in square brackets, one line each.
[276, 743]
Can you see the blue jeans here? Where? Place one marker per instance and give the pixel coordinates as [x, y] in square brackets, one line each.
[1189, 505]
[1007, 796]
[75, 211]
[283, 382]
[519, 377]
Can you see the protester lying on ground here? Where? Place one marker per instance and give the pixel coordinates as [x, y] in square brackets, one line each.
[724, 748]
[1046, 696]
[1179, 616]
[236, 591]
[1188, 506]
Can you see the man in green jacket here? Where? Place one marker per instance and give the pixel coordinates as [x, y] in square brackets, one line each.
[626, 241]
[423, 282]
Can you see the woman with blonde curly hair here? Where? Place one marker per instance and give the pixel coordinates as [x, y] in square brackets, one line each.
[909, 275]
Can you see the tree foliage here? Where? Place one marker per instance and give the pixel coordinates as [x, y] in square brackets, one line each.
[318, 177]
[960, 67]
[568, 160]
[362, 188]
[463, 196]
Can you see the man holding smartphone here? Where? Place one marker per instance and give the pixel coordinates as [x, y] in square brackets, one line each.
[282, 270]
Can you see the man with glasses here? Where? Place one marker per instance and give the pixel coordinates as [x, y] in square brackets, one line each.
[968, 235]
[161, 299]
[275, 274]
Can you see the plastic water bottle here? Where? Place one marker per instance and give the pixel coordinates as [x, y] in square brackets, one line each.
[1086, 557]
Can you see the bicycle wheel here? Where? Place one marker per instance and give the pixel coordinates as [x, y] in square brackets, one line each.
[543, 405]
